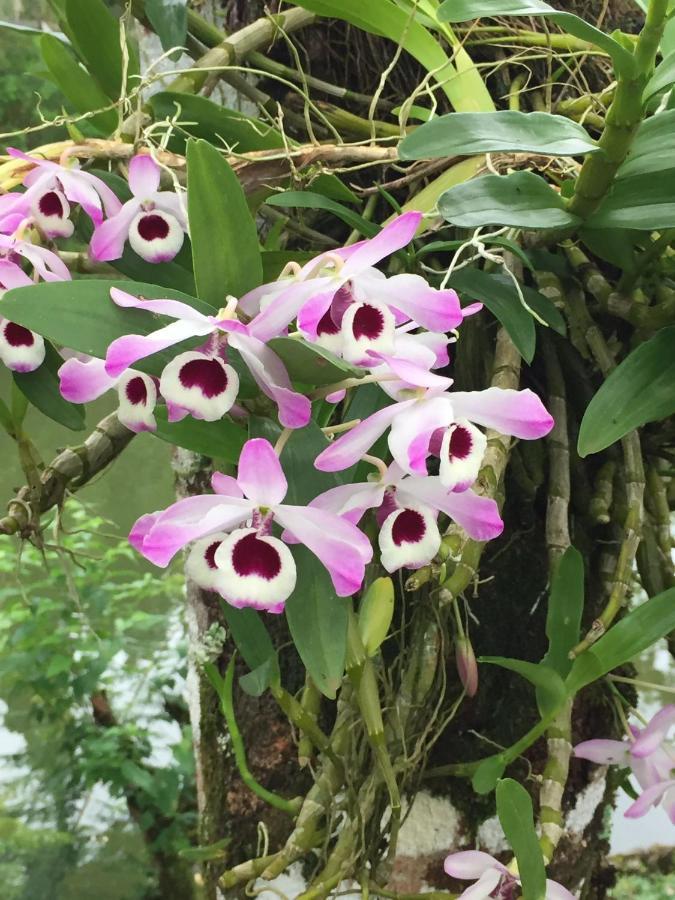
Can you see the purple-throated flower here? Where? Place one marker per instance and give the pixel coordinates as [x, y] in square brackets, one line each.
[50, 189]
[243, 561]
[651, 758]
[21, 349]
[153, 221]
[492, 879]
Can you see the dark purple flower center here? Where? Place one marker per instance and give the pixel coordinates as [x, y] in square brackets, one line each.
[210, 554]
[153, 227]
[251, 556]
[460, 443]
[327, 325]
[408, 528]
[136, 391]
[368, 322]
[18, 336]
[50, 204]
[206, 374]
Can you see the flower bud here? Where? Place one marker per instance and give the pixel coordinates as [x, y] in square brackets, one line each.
[466, 665]
[375, 614]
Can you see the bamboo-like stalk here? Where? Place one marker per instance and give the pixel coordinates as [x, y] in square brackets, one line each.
[623, 118]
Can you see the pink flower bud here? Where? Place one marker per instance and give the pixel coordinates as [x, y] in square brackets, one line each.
[466, 665]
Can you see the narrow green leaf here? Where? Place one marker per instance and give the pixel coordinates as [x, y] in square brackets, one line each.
[96, 36]
[317, 619]
[565, 607]
[75, 84]
[220, 218]
[652, 148]
[624, 641]
[311, 364]
[501, 298]
[663, 77]
[464, 134]
[641, 389]
[41, 387]
[311, 200]
[520, 200]
[218, 440]
[331, 186]
[466, 92]
[550, 687]
[169, 21]
[514, 809]
[81, 315]
[29, 31]
[200, 117]
[642, 202]
[463, 10]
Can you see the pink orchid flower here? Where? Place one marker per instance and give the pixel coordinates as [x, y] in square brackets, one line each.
[651, 758]
[201, 382]
[84, 378]
[45, 263]
[350, 305]
[245, 563]
[51, 188]
[492, 879]
[418, 423]
[153, 221]
[21, 349]
[407, 509]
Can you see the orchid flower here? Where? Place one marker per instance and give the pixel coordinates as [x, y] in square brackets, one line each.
[352, 300]
[21, 349]
[651, 758]
[50, 189]
[45, 263]
[84, 378]
[153, 221]
[492, 879]
[201, 382]
[407, 511]
[245, 563]
[416, 424]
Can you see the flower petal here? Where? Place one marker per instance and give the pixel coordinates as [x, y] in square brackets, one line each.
[204, 385]
[461, 455]
[256, 570]
[483, 888]
[270, 375]
[276, 317]
[433, 309]
[520, 413]
[340, 546]
[398, 233]
[478, 516]
[156, 236]
[409, 537]
[555, 891]
[137, 394]
[174, 308]
[21, 350]
[411, 433]
[349, 448]
[51, 212]
[127, 350]
[200, 565]
[469, 864]
[160, 537]
[350, 501]
[651, 737]
[648, 798]
[144, 174]
[109, 237]
[83, 380]
[225, 485]
[603, 751]
[46, 263]
[259, 473]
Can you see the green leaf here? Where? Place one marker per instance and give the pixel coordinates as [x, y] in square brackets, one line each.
[464, 134]
[331, 186]
[218, 440]
[643, 202]
[256, 682]
[501, 298]
[96, 36]
[311, 200]
[663, 77]
[565, 607]
[514, 809]
[633, 634]
[81, 315]
[251, 637]
[29, 31]
[614, 245]
[41, 387]
[651, 150]
[169, 21]
[551, 691]
[520, 200]
[641, 389]
[465, 90]
[58, 664]
[199, 117]
[317, 619]
[220, 218]
[206, 852]
[75, 83]
[488, 773]
[463, 10]
[311, 364]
